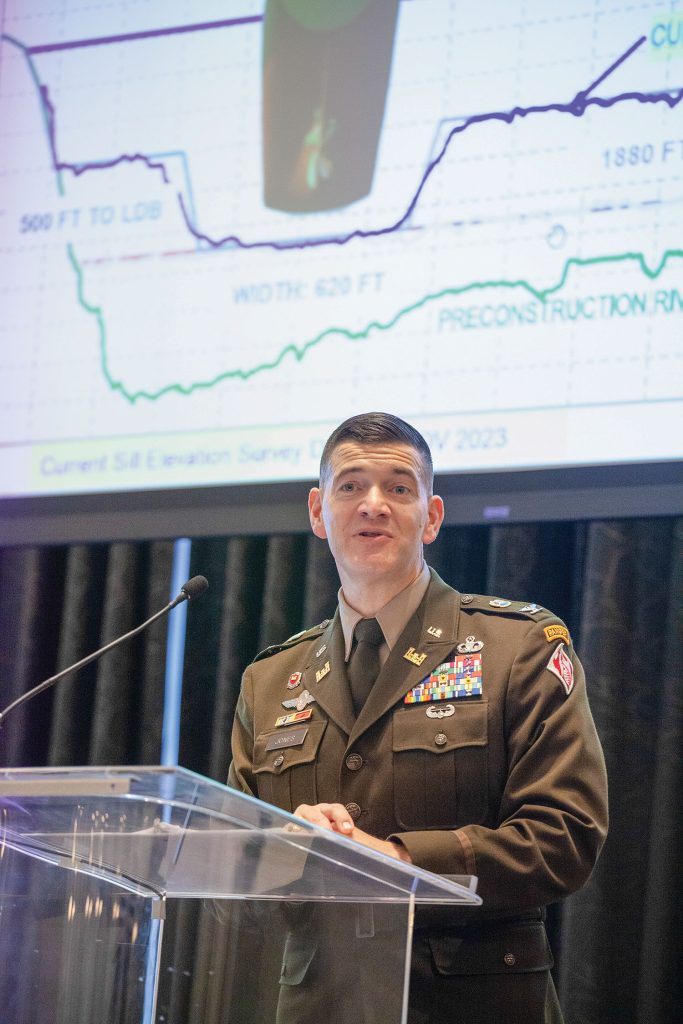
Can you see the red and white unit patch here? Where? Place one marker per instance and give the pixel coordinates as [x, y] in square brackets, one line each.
[294, 680]
[560, 665]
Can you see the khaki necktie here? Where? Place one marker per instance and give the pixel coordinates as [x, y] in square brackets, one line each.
[364, 665]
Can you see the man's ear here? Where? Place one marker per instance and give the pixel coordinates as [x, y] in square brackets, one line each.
[434, 519]
[315, 512]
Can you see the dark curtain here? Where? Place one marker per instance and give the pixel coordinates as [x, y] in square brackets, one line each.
[618, 585]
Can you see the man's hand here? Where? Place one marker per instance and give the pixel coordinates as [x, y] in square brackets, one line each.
[386, 847]
[336, 818]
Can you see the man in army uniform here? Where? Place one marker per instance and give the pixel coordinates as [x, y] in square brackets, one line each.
[450, 730]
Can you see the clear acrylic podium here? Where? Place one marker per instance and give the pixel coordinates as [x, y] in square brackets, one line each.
[131, 895]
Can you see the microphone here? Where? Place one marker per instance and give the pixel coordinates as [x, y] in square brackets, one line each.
[188, 592]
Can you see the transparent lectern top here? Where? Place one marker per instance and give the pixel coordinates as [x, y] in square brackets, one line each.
[168, 832]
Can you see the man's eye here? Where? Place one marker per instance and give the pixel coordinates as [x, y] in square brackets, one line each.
[401, 489]
[348, 486]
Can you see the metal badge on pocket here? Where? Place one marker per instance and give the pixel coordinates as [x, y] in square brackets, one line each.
[440, 711]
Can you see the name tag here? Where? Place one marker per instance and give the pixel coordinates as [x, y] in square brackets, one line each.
[293, 738]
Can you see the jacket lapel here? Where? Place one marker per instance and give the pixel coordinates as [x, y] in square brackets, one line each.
[331, 688]
[440, 611]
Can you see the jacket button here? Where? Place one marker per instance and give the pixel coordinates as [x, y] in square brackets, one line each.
[467, 598]
[440, 739]
[354, 762]
[354, 811]
[278, 761]
[510, 959]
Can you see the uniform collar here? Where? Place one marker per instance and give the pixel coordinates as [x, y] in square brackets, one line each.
[393, 617]
[432, 630]
[428, 638]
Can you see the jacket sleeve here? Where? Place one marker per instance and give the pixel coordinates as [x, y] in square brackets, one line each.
[240, 773]
[552, 819]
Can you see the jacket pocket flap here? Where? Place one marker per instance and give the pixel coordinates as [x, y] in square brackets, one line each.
[505, 948]
[465, 726]
[280, 759]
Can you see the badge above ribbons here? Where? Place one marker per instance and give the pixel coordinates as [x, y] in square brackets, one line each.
[461, 677]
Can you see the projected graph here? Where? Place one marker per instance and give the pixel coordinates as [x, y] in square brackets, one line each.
[500, 258]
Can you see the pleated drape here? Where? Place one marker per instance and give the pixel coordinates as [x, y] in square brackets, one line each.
[56, 606]
[626, 924]
[618, 585]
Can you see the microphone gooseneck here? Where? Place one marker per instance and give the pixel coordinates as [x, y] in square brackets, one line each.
[188, 592]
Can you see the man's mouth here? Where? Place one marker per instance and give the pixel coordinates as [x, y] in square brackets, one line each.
[372, 533]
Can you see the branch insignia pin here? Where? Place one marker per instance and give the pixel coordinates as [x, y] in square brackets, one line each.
[322, 672]
[415, 657]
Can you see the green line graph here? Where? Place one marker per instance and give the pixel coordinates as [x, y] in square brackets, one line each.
[299, 351]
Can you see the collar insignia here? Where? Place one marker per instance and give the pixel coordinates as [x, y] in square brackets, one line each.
[322, 672]
[415, 657]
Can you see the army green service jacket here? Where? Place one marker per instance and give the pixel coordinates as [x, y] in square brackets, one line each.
[508, 785]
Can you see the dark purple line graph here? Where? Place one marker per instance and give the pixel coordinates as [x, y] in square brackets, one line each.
[152, 33]
[576, 107]
[76, 169]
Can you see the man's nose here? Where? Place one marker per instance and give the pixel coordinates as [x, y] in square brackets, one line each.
[374, 502]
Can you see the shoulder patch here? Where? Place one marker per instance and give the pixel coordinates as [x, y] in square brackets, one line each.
[292, 641]
[560, 665]
[556, 632]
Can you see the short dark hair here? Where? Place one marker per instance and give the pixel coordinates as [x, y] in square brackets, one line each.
[378, 428]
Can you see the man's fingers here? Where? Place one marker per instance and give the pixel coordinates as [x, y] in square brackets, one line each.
[332, 816]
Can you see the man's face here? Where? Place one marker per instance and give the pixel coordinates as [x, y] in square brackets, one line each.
[375, 511]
